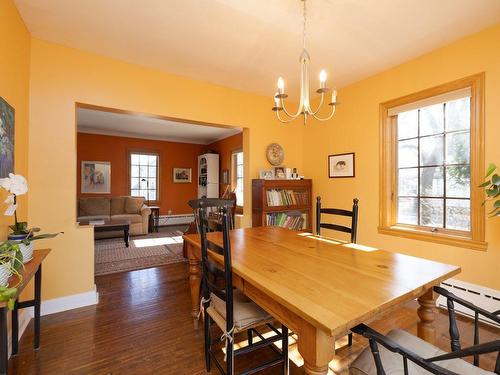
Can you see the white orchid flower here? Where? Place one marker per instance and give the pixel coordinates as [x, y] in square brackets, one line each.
[12, 207]
[15, 184]
[10, 210]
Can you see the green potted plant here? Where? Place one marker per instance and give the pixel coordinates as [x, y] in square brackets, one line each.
[492, 188]
[10, 263]
[21, 235]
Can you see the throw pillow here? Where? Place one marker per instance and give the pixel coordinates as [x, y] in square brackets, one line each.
[133, 205]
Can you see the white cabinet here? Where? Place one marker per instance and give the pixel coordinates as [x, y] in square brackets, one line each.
[208, 176]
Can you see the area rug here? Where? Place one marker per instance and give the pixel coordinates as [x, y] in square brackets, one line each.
[152, 250]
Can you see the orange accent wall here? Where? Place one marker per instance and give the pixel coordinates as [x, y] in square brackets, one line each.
[225, 148]
[172, 154]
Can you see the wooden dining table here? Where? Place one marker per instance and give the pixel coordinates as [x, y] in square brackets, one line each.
[320, 287]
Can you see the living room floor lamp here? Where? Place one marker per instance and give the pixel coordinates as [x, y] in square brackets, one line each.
[147, 189]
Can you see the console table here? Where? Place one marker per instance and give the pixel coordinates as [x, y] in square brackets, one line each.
[31, 269]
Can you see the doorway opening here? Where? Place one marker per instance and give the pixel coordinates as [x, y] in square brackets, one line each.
[135, 175]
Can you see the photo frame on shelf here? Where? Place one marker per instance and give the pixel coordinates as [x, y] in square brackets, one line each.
[182, 175]
[341, 165]
[279, 172]
[96, 177]
[266, 174]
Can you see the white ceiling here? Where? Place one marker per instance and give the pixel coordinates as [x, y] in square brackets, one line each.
[146, 127]
[247, 44]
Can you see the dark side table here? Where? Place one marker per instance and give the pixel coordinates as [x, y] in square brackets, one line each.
[31, 269]
[154, 219]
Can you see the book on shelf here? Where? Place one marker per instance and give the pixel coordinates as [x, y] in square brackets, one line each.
[283, 197]
[290, 220]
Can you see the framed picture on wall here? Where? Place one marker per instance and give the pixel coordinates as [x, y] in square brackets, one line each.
[341, 165]
[6, 138]
[225, 177]
[96, 177]
[182, 175]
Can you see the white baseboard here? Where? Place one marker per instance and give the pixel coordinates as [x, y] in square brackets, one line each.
[71, 302]
[175, 219]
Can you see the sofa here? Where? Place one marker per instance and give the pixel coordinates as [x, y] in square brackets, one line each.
[132, 209]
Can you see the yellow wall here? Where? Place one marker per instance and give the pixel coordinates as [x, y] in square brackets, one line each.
[60, 77]
[14, 88]
[355, 128]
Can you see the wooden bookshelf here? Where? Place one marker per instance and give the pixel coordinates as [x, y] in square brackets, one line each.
[282, 203]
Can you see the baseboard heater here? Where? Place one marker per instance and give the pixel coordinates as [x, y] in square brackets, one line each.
[488, 299]
[175, 219]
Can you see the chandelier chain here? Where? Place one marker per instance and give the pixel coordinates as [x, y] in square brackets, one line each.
[304, 30]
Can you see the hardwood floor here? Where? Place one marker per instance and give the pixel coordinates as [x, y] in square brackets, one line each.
[142, 325]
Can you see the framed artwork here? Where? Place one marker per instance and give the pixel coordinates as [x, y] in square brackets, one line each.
[182, 175]
[266, 174]
[7, 116]
[279, 172]
[341, 165]
[225, 177]
[96, 177]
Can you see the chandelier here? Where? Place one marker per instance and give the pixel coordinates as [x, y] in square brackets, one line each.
[304, 103]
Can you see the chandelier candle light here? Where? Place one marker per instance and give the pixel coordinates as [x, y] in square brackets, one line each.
[304, 103]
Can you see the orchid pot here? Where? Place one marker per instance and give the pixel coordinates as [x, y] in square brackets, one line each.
[26, 249]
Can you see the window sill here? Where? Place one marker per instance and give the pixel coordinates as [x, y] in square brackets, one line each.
[441, 238]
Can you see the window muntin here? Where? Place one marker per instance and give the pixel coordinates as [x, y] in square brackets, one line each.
[433, 166]
[144, 175]
[237, 180]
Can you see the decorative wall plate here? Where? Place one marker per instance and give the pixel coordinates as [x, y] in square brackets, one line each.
[275, 154]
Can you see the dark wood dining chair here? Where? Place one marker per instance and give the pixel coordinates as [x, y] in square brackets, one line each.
[342, 228]
[338, 212]
[229, 308]
[213, 208]
[402, 353]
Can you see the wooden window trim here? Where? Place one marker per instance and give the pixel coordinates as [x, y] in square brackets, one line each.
[475, 239]
[239, 209]
[152, 202]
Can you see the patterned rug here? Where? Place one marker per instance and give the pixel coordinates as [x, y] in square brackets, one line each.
[152, 250]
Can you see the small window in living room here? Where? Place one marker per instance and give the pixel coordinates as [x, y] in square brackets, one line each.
[144, 175]
[237, 176]
[432, 163]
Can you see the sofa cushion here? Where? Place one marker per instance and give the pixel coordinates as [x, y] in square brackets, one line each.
[118, 205]
[94, 206]
[132, 218]
[92, 217]
[393, 362]
[133, 205]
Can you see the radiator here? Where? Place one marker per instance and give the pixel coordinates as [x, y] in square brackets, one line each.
[175, 219]
[488, 299]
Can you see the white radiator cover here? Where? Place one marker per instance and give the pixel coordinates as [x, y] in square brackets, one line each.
[176, 219]
[486, 298]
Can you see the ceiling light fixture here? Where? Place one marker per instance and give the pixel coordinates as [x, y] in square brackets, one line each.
[304, 104]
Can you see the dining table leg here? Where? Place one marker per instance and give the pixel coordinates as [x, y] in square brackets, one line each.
[427, 314]
[316, 348]
[194, 282]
